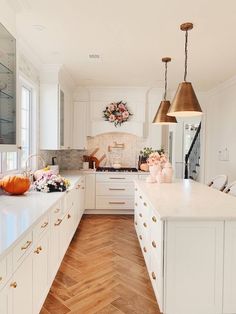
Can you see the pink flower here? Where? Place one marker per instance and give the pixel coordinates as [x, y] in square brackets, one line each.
[112, 118]
[125, 115]
[122, 107]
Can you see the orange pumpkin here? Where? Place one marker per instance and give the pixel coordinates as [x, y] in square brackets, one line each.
[15, 185]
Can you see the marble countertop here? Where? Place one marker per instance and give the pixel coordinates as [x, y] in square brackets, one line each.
[109, 172]
[19, 213]
[188, 200]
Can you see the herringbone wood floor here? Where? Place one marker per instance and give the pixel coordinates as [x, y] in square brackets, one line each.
[103, 271]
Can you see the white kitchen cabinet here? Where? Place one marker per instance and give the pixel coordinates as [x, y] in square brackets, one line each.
[229, 268]
[194, 267]
[40, 271]
[55, 109]
[80, 125]
[21, 284]
[90, 191]
[6, 300]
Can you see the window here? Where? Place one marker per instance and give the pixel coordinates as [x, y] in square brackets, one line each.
[15, 161]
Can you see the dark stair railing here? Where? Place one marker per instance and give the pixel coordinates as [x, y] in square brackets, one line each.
[193, 144]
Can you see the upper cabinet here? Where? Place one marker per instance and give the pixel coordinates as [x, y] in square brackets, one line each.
[8, 138]
[56, 91]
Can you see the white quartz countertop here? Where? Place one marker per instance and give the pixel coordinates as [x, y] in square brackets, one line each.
[187, 199]
[19, 213]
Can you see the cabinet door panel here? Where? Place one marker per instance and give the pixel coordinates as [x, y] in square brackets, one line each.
[6, 300]
[230, 268]
[194, 267]
[40, 272]
[22, 294]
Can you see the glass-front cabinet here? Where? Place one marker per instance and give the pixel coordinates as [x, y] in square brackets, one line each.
[7, 89]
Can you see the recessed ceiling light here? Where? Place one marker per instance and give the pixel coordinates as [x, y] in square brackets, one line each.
[39, 27]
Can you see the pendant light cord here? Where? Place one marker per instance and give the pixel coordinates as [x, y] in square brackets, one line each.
[165, 81]
[186, 56]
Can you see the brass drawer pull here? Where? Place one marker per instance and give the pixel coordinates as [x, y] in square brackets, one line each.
[154, 244]
[83, 187]
[120, 203]
[13, 285]
[154, 219]
[37, 251]
[136, 223]
[140, 237]
[112, 189]
[1, 279]
[140, 197]
[27, 244]
[44, 225]
[135, 204]
[145, 225]
[68, 216]
[78, 186]
[58, 222]
[144, 249]
[154, 276]
[145, 204]
[56, 210]
[116, 178]
[140, 215]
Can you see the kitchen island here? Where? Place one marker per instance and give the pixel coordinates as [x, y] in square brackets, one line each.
[187, 232]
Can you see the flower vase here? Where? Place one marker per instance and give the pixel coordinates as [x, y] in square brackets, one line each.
[154, 170]
[159, 177]
[167, 173]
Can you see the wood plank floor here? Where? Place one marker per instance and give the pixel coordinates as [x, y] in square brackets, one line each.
[103, 271]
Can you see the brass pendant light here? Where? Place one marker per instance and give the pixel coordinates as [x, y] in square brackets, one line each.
[161, 115]
[185, 102]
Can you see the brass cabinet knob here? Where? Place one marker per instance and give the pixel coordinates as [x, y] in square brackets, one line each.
[13, 285]
[154, 276]
[140, 215]
[154, 244]
[140, 196]
[83, 188]
[27, 244]
[78, 186]
[56, 210]
[145, 225]
[154, 219]
[140, 237]
[144, 249]
[68, 216]
[39, 248]
[135, 204]
[1, 279]
[135, 223]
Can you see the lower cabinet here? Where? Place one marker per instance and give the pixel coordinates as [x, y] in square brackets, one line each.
[21, 285]
[40, 271]
[27, 273]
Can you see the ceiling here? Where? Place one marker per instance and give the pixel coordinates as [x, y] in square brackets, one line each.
[131, 37]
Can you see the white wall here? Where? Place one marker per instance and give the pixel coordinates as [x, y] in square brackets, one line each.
[221, 130]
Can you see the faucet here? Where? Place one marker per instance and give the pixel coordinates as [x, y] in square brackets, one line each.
[28, 172]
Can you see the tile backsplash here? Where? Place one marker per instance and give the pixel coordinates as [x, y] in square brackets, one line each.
[73, 159]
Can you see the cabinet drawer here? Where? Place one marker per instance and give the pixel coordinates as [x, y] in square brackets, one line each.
[115, 177]
[110, 188]
[56, 212]
[106, 202]
[41, 227]
[155, 273]
[22, 248]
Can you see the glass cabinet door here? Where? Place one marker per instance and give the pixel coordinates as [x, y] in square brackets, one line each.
[7, 88]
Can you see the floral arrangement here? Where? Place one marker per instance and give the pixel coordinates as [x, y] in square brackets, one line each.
[157, 159]
[49, 182]
[117, 113]
[146, 151]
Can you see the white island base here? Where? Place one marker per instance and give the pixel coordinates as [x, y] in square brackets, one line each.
[187, 232]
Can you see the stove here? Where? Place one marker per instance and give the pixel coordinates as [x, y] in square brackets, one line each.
[111, 169]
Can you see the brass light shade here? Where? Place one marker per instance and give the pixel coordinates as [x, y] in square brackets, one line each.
[185, 102]
[161, 115]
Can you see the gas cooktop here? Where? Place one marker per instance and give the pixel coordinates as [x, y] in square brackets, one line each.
[111, 169]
